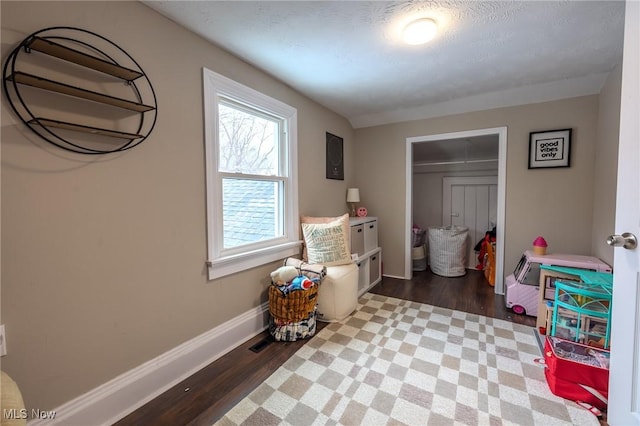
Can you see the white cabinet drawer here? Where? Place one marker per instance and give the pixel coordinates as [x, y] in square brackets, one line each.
[363, 276]
[364, 244]
[370, 236]
[374, 267]
[357, 239]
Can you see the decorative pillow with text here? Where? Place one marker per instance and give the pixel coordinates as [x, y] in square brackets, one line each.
[327, 219]
[327, 243]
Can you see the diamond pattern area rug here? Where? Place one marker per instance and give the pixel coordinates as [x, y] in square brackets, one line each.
[397, 362]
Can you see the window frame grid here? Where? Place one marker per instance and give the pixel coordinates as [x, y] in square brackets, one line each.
[222, 262]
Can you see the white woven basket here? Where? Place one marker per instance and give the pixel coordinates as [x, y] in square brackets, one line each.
[447, 250]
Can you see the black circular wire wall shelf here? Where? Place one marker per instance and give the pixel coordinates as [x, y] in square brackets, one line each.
[79, 47]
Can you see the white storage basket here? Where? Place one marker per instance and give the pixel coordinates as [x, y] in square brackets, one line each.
[447, 250]
[419, 258]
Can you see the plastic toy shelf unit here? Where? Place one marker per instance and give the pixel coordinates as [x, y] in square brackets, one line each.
[582, 310]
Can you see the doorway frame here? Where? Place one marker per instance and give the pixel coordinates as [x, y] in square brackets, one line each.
[501, 132]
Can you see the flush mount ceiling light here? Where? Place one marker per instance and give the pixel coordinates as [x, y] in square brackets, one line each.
[419, 31]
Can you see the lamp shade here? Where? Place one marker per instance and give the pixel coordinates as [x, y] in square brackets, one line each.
[353, 195]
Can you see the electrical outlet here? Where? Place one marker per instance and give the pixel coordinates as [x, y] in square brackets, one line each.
[3, 341]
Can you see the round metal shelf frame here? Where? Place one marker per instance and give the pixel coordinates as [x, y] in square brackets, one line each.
[104, 62]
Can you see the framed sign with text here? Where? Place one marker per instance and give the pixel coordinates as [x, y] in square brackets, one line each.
[550, 148]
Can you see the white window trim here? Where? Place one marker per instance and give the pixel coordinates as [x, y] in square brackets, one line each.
[216, 85]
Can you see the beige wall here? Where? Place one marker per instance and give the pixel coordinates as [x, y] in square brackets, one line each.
[606, 166]
[555, 203]
[103, 258]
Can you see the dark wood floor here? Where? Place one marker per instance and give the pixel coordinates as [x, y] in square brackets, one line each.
[207, 395]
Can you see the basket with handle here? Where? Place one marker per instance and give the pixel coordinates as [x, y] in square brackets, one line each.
[294, 306]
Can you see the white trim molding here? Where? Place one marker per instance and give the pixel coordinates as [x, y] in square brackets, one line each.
[223, 261]
[119, 397]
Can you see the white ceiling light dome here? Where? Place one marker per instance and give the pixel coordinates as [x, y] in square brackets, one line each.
[419, 31]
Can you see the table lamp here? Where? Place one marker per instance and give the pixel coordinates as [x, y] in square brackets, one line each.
[353, 197]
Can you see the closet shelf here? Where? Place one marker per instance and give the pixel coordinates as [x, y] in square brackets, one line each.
[65, 89]
[47, 122]
[71, 55]
[454, 162]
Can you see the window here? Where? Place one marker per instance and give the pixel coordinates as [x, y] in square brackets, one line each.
[252, 194]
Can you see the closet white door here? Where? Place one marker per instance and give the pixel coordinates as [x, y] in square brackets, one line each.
[471, 202]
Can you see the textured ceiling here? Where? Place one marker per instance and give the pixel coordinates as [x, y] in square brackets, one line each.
[347, 56]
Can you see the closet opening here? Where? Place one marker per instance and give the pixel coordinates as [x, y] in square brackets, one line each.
[456, 185]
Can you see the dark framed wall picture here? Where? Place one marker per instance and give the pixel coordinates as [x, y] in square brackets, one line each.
[335, 159]
[550, 148]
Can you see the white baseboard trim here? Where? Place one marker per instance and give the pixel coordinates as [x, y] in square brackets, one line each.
[119, 397]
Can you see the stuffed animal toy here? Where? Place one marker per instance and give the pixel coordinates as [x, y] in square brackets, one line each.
[284, 275]
[299, 283]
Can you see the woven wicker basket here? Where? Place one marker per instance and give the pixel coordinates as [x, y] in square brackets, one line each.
[295, 306]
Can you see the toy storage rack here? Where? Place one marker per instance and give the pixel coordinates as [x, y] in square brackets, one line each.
[582, 312]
